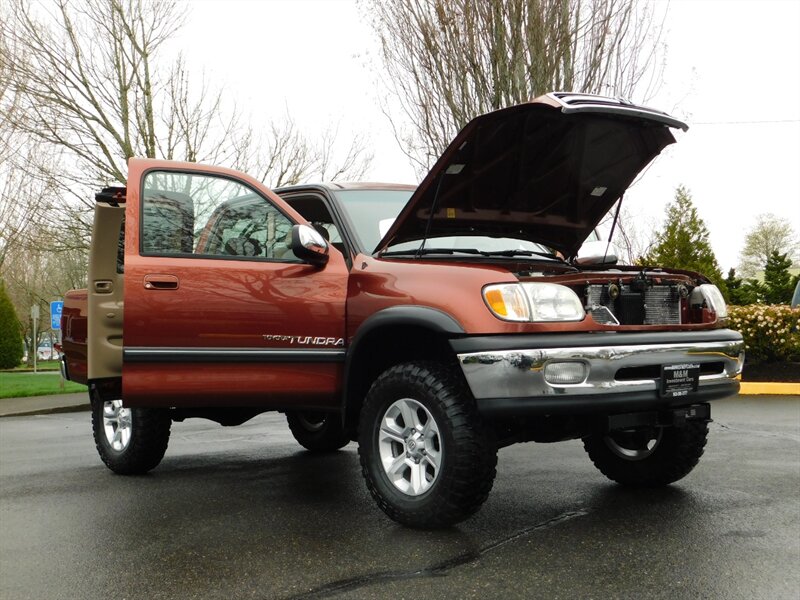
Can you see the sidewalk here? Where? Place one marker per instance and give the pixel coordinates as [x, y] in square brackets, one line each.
[43, 405]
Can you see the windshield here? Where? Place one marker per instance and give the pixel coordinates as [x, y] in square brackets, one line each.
[372, 212]
[366, 210]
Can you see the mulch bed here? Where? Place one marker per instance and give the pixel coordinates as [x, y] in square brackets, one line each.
[781, 372]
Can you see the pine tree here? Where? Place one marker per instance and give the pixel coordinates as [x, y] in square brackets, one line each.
[10, 337]
[778, 281]
[683, 242]
[734, 286]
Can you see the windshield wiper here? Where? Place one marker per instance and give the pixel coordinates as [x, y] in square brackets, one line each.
[519, 253]
[473, 251]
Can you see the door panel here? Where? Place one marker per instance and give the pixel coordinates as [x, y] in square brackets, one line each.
[105, 294]
[219, 312]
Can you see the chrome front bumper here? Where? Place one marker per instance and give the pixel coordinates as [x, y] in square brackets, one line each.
[520, 373]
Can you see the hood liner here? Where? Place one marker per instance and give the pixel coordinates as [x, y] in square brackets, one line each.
[531, 172]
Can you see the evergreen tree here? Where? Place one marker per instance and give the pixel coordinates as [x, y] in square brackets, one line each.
[734, 286]
[752, 292]
[683, 241]
[10, 338]
[778, 281]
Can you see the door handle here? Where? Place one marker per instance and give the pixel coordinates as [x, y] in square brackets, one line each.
[160, 282]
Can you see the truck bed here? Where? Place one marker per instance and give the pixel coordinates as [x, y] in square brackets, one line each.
[74, 320]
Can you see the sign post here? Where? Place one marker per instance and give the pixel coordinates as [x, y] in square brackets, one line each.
[34, 339]
[56, 308]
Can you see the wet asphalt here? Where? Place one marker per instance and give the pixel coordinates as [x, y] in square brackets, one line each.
[244, 512]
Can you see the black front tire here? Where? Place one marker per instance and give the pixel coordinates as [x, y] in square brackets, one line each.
[130, 441]
[624, 457]
[318, 431]
[463, 456]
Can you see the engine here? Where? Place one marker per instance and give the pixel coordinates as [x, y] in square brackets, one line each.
[640, 302]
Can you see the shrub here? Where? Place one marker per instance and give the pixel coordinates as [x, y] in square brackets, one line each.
[771, 333]
[10, 337]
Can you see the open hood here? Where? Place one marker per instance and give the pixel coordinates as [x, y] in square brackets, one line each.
[545, 171]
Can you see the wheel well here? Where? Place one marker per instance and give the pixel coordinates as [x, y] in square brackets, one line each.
[382, 348]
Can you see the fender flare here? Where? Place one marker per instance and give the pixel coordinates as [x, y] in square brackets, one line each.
[430, 318]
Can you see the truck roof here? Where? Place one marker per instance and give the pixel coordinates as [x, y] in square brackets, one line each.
[348, 185]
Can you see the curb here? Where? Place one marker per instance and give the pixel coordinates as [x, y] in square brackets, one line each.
[49, 410]
[765, 388]
[44, 405]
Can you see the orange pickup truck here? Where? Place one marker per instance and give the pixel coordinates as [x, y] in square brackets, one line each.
[431, 324]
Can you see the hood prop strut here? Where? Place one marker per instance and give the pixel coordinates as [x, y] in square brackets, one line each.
[430, 216]
[613, 226]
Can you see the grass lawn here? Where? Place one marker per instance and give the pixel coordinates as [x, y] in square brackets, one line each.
[19, 385]
[41, 365]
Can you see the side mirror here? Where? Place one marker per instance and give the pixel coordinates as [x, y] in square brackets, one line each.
[594, 253]
[309, 245]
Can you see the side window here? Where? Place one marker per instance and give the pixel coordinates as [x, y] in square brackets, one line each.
[316, 213]
[201, 215]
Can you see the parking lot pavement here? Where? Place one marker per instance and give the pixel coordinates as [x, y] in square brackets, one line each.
[245, 513]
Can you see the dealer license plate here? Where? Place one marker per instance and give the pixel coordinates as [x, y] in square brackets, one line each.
[679, 380]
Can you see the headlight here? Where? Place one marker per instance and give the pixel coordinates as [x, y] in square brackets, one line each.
[533, 302]
[709, 295]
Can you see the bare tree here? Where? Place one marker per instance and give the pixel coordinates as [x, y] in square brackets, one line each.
[39, 277]
[634, 236]
[769, 234]
[446, 61]
[284, 155]
[87, 81]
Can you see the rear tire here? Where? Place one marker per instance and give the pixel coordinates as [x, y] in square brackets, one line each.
[426, 455]
[318, 431]
[652, 457]
[130, 441]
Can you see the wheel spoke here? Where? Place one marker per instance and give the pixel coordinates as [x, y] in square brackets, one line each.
[433, 458]
[396, 467]
[429, 428]
[391, 431]
[410, 416]
[419, 482]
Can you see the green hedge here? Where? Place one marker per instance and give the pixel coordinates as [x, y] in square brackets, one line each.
[10, 337]
[771, 332]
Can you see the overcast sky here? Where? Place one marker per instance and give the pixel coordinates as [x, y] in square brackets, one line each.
[733, 72]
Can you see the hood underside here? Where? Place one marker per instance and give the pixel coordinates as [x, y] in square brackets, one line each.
[546, 171]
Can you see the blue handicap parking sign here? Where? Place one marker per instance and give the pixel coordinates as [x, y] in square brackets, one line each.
[55, 314]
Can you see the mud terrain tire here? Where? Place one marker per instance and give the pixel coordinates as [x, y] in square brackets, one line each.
[676, 452]
[317, 431]
[426, 455]
[130, 441]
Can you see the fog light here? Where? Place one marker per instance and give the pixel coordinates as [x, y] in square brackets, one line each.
[560, 373]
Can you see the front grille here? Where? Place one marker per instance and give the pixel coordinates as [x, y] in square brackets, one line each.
[654, 371]
[656, 305]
